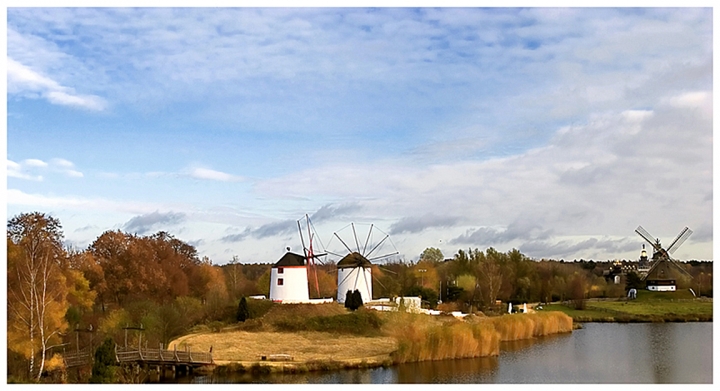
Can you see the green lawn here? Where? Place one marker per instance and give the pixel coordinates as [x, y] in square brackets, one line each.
[648, 307]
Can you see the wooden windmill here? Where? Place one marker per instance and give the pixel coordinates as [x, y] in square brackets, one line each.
[664, 270]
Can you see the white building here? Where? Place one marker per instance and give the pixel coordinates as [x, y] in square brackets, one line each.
[354, 272]
[288, 280]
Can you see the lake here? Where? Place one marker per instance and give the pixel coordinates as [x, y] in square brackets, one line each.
[598, 353]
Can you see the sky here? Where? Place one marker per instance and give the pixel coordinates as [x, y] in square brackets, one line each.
[555, 131]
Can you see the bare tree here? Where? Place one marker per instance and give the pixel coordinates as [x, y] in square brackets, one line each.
[490, 277]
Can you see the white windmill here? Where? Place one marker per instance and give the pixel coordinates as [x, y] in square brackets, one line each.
[289, 276]
[355, 267]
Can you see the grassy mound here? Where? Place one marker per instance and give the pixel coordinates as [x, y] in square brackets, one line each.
[361, 322]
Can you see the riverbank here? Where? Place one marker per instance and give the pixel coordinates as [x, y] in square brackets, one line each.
[363, 339]
[648, 307]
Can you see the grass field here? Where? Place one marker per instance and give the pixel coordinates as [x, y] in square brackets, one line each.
[247, 347]
[328, 336]
[679, 306]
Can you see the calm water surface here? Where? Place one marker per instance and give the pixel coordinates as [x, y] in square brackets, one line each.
[598, 353]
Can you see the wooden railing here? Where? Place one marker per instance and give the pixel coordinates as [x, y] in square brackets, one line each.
[78, 358]
[162, 356]
[156, 356]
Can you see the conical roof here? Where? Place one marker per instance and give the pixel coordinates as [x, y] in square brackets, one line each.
[352, 260]
[290, 259]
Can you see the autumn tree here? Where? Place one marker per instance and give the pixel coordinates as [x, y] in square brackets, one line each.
[578, 289]
[110, 252]
[490, 277]
[37, 290]
[236, 280]
[432, 254]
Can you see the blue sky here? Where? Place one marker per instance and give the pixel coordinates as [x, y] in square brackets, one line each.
[553, 130]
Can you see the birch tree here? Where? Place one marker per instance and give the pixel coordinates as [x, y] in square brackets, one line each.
[37, 292]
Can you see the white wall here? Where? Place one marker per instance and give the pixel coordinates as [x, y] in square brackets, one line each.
[294, 287]
[661, 288]
[357, 278]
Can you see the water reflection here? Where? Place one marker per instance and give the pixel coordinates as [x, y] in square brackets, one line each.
[661, 346]
[471, 370]
[598, 353]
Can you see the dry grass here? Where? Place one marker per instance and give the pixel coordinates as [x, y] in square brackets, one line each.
[422, 337]
[241, 346]
[513, 327]
[405, 337]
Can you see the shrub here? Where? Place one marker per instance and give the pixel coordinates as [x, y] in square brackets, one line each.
[103, 369]
[258, 308]
[243, 313]
[363, 322]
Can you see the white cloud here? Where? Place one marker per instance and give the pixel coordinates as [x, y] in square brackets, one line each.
[23, 81]
[206, 173]
[701, 100]
[15, 170]
[18, 197]
[34, 163]
[603, 177]
[28, 167]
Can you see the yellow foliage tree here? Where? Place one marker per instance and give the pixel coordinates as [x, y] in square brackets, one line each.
[37, 287]
[426, 273]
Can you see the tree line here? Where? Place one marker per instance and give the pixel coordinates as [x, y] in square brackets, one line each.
[67, 299]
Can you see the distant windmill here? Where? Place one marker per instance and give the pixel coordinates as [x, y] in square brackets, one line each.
[660, 275]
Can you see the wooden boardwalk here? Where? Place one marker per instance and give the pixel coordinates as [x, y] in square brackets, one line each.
[144, 357]
[163, 357]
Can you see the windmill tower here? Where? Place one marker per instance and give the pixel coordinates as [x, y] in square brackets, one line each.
[663, 273]
[289, 275]
[355, 265]
[288, 280]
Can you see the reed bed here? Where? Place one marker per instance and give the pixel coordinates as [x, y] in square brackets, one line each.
[524, 326]
[420, 339]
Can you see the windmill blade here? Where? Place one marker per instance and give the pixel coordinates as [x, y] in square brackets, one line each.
[646, 235]
[367, 239]
[377, 245]
[678, 266]
[378, 281]
[366, 283]
[344, 279]
[317, 257]
[356, 278]
[316, 235]
[335, 254]
[384, 256]
[343, 242]
[386, 269]
[302, 240]
[679, 240]
[355, 236]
